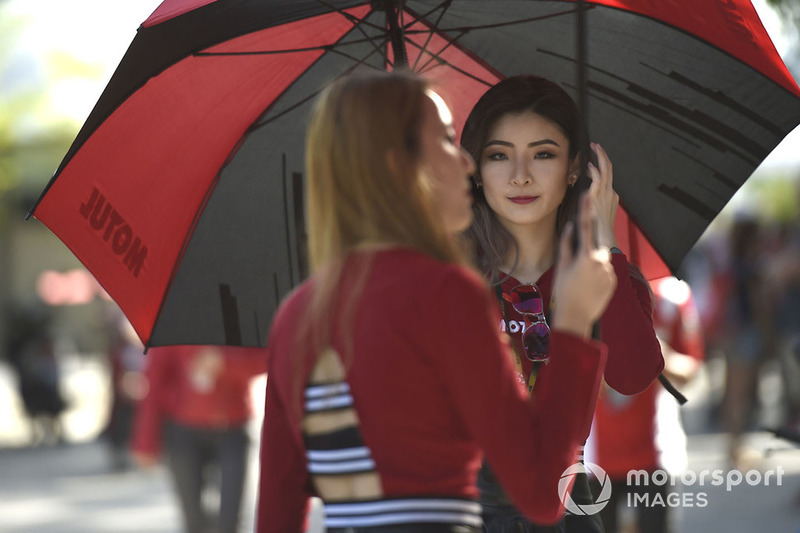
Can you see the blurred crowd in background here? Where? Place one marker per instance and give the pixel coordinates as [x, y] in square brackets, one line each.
[746, 282]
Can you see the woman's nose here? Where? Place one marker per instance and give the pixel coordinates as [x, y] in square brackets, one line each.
[521, 173]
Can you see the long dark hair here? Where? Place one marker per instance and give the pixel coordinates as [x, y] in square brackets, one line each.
[490, 241]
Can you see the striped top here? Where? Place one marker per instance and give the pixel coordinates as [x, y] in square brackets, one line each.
[398, 437]
[335, 450]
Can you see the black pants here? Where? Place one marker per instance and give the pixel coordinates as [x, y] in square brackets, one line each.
[505, 519]
[196, 458]
[649, 518]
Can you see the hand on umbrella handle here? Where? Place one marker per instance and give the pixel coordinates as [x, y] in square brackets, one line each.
[585, 279]
[604, 198]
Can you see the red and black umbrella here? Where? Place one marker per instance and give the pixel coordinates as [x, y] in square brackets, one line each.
[182, 193]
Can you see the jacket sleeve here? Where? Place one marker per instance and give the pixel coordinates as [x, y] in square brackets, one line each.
[284, 487]
[634, 353]
[529, 442]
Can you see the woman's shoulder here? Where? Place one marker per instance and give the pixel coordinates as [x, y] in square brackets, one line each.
[427, 273]
[291, 308]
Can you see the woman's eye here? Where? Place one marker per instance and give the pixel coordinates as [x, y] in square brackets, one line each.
[496, 156]
[544, 155]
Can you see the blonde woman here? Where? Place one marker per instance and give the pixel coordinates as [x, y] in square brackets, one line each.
[387, 376]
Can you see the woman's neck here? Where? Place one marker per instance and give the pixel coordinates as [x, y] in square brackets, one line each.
[535, 252]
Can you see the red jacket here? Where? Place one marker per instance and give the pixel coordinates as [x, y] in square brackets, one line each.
[434, 386]
[626, 327]
[174, 395]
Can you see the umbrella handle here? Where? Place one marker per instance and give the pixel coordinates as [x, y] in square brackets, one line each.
[671, 389]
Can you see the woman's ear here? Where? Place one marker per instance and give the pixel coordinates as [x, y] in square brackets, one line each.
[574, 171]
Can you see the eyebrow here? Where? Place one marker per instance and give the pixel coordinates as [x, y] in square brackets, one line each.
[530, 145]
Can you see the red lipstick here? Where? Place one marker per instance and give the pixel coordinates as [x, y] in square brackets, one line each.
[523, 199]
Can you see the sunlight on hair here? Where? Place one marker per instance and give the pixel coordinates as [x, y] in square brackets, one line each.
[444, 110]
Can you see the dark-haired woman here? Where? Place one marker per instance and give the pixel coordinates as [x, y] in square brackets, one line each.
[525, 134]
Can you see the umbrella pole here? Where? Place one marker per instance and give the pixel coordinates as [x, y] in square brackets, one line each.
[582, 52]
[583, 107]
[393, 9]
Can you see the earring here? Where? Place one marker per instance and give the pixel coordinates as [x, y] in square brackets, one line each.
[574, 178]
[478, 183]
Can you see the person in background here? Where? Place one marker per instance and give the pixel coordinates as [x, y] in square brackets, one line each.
[782, 280]
[32, 354]
[644, 431]
[388, 379]
[749, 336]
[197, 409]
[128, 387]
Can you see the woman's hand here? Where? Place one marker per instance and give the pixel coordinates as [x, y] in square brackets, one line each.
[584, 279]
[604, 198]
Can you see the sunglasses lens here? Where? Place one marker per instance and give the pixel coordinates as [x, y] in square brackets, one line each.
[536, 341]
[526, 299]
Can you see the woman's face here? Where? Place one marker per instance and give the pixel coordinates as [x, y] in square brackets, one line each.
[446, 164]
[525, 169]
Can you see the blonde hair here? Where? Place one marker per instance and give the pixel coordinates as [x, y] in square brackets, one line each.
[364, 183]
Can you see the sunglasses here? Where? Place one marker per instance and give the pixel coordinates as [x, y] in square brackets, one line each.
[527, 301]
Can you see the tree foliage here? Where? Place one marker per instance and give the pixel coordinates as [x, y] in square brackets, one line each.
[789, 10]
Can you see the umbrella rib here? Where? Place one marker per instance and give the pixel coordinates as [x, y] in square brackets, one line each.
[357, 24]
[358, 62]
[443, 61]
[430, 34]
[353, 19]
[402, 22]
[466, 29]
[437, 55]
[463, 30]
[324, 47]
[445, 4]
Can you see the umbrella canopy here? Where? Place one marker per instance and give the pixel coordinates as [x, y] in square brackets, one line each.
[182, 193]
